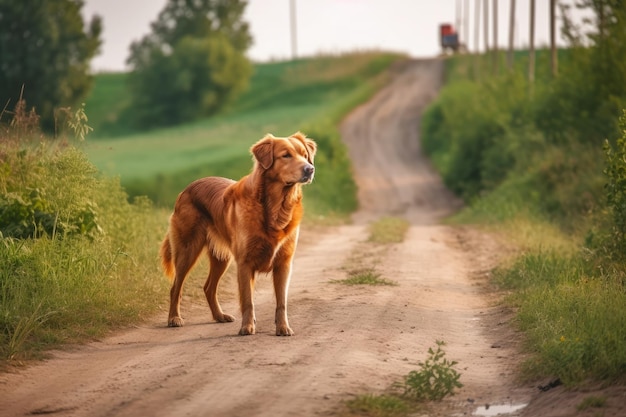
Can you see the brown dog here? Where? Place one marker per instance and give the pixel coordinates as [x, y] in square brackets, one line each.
[255, 220]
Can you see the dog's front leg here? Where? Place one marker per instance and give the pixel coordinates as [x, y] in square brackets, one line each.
[282, 276]
[245, 278]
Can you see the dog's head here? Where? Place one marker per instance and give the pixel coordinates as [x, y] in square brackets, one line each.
[287, 160]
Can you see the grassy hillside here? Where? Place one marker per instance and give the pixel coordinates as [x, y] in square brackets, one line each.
[495, 140]
[309, 95]
[105, 102]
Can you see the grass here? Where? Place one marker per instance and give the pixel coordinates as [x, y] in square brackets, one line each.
[378, 406]
[361, 267]
[569, 304]
[72, 284]
[572, 316]
[365, 276]
[103, 105]
[591, 402]
[388, 230]
[567, 289]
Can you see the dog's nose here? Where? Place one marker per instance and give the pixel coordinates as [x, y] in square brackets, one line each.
[309, 170]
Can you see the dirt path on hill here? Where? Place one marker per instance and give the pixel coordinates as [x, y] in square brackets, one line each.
[349, 340]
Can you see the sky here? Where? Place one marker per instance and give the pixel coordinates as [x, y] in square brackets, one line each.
[328, 26]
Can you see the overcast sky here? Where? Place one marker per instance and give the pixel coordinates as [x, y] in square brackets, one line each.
[325, 26]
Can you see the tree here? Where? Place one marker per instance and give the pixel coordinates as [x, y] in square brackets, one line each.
[45, 50]
[588, 98]
[191, 64]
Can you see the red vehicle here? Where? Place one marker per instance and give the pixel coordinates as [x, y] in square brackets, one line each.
[448, 37]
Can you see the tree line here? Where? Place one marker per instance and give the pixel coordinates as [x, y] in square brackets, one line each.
[190, 64]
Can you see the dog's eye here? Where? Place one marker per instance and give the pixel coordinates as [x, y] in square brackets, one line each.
[287, 155]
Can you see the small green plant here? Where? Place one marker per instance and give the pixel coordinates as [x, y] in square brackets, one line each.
[364, 276]
[78, 123]
[388, 230]
[591, 402]
[436, 378]
[378, 406]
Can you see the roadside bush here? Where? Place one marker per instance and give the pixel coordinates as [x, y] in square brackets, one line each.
[568, 281]
[333, 191]
[471, 133]
[76, 258]
[615, 187]
[34, 198]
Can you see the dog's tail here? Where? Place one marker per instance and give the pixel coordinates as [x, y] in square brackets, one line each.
[166, 257]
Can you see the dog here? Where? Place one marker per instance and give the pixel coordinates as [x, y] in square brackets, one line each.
[255, 220]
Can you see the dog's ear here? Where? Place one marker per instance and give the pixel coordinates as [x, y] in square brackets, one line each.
[263, 151]
[311, 146]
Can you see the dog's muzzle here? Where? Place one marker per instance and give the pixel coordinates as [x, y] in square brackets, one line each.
[307, 174]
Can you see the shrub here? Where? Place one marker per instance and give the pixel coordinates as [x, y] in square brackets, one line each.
[34, 195]
[76, 258]
[471, 133]
[436, 378]
[615, 187]
[333, 191]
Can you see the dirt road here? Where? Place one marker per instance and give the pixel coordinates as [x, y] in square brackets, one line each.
[349, 340]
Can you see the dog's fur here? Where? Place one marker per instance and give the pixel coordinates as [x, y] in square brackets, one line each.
[255, 220]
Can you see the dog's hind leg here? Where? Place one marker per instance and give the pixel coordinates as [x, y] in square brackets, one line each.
[217, 269]
[184, 259]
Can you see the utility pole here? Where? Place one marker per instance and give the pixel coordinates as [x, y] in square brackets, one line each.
[495, 37]
[531, 57]
[476, 26]
[553, 61]
[466, 26]
[476, 55]
[511, 35]
[486, 24]
[294, 32]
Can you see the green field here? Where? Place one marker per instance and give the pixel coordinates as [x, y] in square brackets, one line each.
[309, 95]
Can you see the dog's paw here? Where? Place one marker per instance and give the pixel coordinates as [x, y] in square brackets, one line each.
[247, 330]
[284, 331]
[224, 318]
[175, 322]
